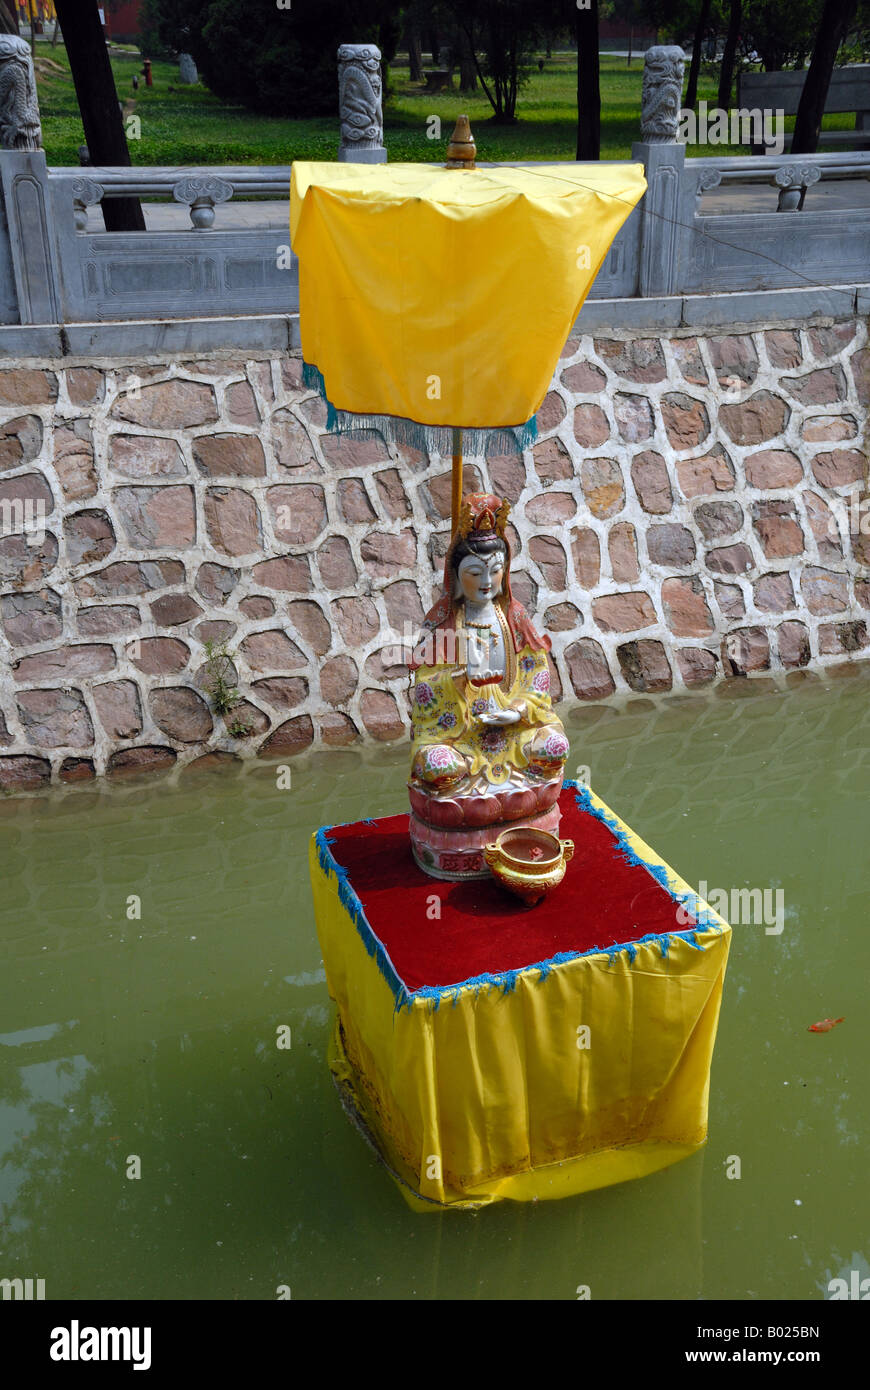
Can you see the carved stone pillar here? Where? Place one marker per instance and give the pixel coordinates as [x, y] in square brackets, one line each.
[668, 205]
[19, 110]
[359, 100]
[187, 73]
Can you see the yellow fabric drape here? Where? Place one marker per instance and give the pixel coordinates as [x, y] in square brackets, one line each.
[446, 296]
[492, 1095]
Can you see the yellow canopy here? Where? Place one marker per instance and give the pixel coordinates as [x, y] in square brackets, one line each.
[445, 296]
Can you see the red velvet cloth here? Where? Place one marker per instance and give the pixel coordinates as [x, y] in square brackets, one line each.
[602, 901]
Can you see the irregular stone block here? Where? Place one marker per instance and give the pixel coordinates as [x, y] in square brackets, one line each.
[31, 618]
[549, 555]
[157, 516]
[783, 347]
[644, 665]
[525, 590]
[622, 545]
[159, 656]
[793, 643]
[168, 405]
[823, 525]
[118, 708]
[216, 582]
[670, 544]
[777, 529]
[284, 692]
[773, 593]
[860, 364]
[292, 444]
[762, 417]
[146, 758]
[256, 607]
[829, 429]
[402, 602]
[55, 718]
[508, 473]
[734, 359]
[22, 564]
[586, 553]
[82, 659]
[829, 342]
[126, 577]
[289, 574]
[246, 720]
[335, 563]
[838, 468]
[712, 473]
[20, 441]
[384, 554]
[232, 520]
[685, 420]
[634, 418]
[381, 666]
[744, 650]
[298, 512]
[717, 519]
[551, 462]
[583, 378]
[24, 501]
[307, 618]
[170, 610]
[357, 449]
[686, 610]
[241, 404]
[601, 479]
[591, 427]
[107, 621]
[624, 612]
[292, 737]
[392, 494]
[588, 670]
[180, 714]
[730, 599]
[353, 502]
[145, 456]
[651, 483]
[696, 665]
[380, 715]
[229, 456]
[23, 773]
[731, 559]
[640, 359]
[272, 651]
[562, 617]
[338, 730]
[551, 413]
[436, 492]
[687, 356]
[550, 508]
[74, 460]
[357, 620]
[842, 638]
[20, 386]
[216, 630]
[824, 591]
[89, 537]
[821, 387]
[85, 385]
[77, 770]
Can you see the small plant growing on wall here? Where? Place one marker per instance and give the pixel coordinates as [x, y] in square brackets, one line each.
[225, 695]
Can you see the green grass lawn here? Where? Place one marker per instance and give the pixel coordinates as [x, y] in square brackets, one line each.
[189, 125]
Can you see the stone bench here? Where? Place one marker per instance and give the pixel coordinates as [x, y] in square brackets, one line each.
[781, 91]
[438, 79]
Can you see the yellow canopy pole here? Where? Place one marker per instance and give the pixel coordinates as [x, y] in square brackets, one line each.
[456, 488]
[461, 152]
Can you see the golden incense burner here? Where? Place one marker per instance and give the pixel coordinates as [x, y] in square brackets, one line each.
[529, 863]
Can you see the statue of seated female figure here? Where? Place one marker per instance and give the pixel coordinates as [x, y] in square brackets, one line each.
[487, 746]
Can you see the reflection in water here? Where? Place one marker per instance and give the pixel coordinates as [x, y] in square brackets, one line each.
[155, 1034]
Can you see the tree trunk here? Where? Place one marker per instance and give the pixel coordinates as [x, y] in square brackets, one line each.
[695, 68]
[726, 72]
[588, 87]
[467, 72]
[98, 103]
[56, 32]
[8, 18]
[415, 53]
[834, 24]
[432, 42]
[630, 45]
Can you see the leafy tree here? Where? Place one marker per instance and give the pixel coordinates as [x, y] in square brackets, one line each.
[502, 35]
[834, 22]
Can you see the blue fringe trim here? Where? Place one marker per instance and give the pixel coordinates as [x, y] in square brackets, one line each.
[506, 981]
[431, 439]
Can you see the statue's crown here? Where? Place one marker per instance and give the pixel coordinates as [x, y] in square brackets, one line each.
[483, 514]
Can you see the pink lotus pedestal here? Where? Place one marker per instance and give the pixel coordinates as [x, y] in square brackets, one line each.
[448, 834]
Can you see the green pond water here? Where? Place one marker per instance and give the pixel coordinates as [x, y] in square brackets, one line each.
[156, 1037]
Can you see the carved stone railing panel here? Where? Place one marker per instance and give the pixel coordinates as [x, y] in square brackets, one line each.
[85, 192]
[201, 194]
[793, 181]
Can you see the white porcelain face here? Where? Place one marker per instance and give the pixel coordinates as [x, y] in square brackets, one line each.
[481, 577]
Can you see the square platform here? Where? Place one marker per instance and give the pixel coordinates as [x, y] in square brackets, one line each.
[492, 1050]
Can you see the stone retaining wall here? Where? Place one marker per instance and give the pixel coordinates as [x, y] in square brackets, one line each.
[676, 524]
